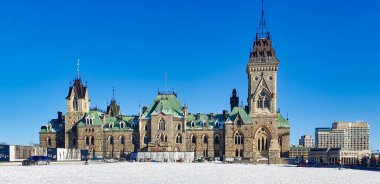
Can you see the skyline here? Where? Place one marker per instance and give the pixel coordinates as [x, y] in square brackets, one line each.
[119, 44]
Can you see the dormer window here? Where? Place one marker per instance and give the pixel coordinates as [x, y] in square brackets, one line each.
[192, 124]
[49, 127]
[89, 120]
[217, 124]
[111, 125]
[122, 125]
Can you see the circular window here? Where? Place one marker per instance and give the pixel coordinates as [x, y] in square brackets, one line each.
[262, 93]
[256, 78]
[270, 78]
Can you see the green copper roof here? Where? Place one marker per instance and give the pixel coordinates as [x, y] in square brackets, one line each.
[95, 115]
[119, 123]
[239, 111]
[53, 126]
[282, 122]
[205, 121]
[167, 104]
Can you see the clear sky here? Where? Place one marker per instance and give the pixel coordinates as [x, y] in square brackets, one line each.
[329, 54]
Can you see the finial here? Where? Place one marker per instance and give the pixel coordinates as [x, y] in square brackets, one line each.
[287, 116]
[78, 69]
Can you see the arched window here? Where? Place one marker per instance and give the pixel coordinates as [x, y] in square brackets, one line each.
[217, 139]
[122, 125]
[87, 140]
[178, 139]
[192, 123]
[241, 153]
[122, 140]
[161, 125]
[110, 139]
[161, 138]
[193, 139]
[263, 140]
[92, 140]
[48, 141]
[146, 128]
[179, 126]
[133, 125]
[205, 139]
[236, 153]
[166, 138]
[263, 101]
[75, 104]
[146, 140]
[111, 125]
[239, 138]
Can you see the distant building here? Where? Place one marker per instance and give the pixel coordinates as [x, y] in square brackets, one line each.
[344, 135]
[331, 156]
[300, 153]
[306, 141]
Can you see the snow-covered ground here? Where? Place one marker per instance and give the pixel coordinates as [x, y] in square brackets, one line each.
[180, 173]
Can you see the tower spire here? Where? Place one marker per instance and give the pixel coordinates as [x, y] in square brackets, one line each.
[263, 30]
[78, 69]
[113, 94]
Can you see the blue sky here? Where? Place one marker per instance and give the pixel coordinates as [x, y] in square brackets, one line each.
[329, 54]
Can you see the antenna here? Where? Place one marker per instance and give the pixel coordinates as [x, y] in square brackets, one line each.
[166, 81]
[78, 69]
[263, 30]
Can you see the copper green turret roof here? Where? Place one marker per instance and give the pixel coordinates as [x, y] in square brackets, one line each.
[282, 122]
[166, 103]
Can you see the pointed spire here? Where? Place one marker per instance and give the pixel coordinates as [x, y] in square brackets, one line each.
[113, 94]
[263, 29]
[78, 69]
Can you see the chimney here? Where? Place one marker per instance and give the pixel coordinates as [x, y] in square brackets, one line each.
[185, 110]
[59, 115]
[198, 116]
[144, 109]
[212, 115]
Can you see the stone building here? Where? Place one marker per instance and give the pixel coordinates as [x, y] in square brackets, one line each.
[253, 132]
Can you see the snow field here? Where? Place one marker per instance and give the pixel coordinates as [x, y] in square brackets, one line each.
[180, 173]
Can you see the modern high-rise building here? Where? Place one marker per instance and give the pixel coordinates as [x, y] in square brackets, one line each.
[344, 135]
[306, 141]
